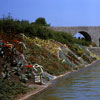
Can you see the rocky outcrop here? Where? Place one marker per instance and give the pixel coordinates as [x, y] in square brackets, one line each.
[95, 50]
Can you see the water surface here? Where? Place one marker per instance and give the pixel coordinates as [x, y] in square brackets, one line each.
[84, 85]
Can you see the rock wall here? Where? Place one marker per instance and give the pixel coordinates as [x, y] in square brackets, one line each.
[95, 50]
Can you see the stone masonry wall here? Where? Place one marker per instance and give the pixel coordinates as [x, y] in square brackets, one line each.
[93, 31]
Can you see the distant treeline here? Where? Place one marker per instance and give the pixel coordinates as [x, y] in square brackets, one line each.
[39, 28]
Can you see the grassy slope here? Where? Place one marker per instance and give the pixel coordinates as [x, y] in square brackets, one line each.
[43, 52]
[47, 58]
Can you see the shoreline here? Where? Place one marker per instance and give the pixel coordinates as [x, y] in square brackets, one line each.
[41, 88]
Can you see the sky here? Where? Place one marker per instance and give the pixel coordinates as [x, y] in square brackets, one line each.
[56, 12]
[77, 35]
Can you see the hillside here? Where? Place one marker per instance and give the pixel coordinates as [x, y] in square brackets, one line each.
[36, 58]
[18, 57]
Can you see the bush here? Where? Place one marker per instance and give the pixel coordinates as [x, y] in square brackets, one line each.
[9, 89]
[40, 21]
[37, 29]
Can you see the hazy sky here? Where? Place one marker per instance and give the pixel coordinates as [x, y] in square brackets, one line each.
[56, 12]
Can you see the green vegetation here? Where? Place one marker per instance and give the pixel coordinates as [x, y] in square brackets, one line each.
[23, 44]
[41, 56]
[9, 89]
[12, 28]
[36, 29]
[41, 21]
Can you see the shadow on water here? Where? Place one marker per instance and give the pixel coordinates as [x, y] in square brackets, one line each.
[83, 85]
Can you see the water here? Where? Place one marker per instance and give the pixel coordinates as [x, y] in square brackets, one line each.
[84, 85]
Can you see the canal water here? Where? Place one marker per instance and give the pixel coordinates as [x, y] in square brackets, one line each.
[83, 85]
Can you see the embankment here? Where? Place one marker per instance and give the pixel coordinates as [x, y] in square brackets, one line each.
[44, 87]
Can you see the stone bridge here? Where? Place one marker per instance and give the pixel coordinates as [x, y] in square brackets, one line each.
[91, 33]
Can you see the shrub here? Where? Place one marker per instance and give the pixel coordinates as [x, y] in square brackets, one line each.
[13, 27]
[40, 21]
[9, 89]
[66, 67]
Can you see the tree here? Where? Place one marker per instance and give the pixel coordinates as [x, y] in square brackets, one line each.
[41, 21]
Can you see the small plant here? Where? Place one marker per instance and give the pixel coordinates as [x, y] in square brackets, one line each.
[34, 53]
[44, 53]
[66, 67]
[34, 60]
[55, 65]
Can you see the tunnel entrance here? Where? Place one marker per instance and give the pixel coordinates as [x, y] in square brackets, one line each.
[83, 35]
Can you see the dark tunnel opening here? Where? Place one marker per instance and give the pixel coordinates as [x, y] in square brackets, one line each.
[86, 36]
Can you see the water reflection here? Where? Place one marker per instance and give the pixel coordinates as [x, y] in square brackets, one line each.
[79, 86]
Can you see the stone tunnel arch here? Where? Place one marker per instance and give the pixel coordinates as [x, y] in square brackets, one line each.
[93, 32]
[86, 36]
